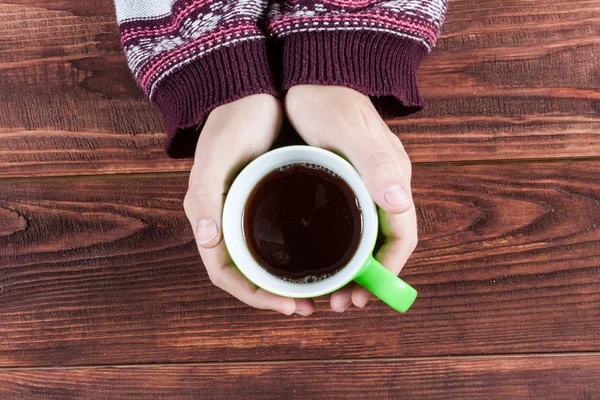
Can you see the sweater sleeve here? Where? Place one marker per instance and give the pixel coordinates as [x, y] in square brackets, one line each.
[373, 46]
[190, 56]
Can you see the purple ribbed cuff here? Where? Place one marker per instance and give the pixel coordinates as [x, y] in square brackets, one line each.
[187, 96]
[377, 64]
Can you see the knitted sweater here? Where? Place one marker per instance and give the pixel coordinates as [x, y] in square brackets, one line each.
[190, 56]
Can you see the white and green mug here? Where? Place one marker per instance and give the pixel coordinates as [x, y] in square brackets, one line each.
[362, 268]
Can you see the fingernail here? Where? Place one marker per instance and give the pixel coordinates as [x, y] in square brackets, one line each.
[361, 303]
[206, 230]
[396, 194]
[300, 312]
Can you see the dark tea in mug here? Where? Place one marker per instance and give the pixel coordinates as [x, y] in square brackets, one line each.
[302, 223]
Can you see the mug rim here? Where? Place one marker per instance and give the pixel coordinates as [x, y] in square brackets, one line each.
[235, 203]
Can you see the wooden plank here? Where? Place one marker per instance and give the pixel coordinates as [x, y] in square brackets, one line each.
[506, 81]
[510, 80]
[105, 271]
[555, 377]
[69, 105]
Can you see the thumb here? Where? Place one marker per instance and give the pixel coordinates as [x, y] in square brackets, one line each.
[387, 182]
[203, 206]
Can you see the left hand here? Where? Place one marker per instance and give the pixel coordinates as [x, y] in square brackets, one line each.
[346, 122]
[234, 134]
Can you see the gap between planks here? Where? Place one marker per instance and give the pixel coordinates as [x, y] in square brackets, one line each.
[309, 361]
[171, 174]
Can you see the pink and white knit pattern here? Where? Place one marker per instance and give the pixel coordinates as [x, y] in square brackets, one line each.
[157, 45]
[190, 56]
[159, 36]
[418, 20]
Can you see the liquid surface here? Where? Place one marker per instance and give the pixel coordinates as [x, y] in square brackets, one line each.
[302, 223]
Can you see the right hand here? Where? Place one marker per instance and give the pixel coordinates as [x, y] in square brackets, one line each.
[345, 121]
[234, 134]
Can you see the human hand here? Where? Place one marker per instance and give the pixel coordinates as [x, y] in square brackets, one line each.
[234, 134]
[346, 122]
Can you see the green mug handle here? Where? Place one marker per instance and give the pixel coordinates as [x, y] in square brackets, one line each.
[386, 286]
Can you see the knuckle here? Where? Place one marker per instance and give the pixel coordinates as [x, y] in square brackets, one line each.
[215, 278]
[404, 160]
[194, 194]
[196, 190]
[398, 145]
[402, 156]
[407, 166]
[379, 159]
[187, 204]
[413, 242]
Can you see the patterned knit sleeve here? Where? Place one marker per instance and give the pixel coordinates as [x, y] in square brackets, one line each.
[373, 46]
[190, 56]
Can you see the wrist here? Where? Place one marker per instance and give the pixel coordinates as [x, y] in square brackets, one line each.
[335, 116]
[391, 63]
[251, 120]
[333, 90]
[327, 99]
[253, 106]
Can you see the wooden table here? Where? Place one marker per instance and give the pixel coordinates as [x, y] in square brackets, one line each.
[102, 293]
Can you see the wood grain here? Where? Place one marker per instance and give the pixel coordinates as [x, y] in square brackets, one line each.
[510, 80]
[550, 378]
[69, 105]
[102, 271]
[507, 80]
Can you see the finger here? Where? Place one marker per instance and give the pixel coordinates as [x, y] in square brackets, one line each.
[208, 183]
[392, 255]
[346, 121]
[226, 276]
[401, 240]
[305, 307]
[341, 299]
[387, 182]
[203, 206]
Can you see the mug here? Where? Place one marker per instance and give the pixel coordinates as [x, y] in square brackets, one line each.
[362, 268]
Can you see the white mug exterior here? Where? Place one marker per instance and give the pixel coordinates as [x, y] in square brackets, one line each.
[234, 210]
